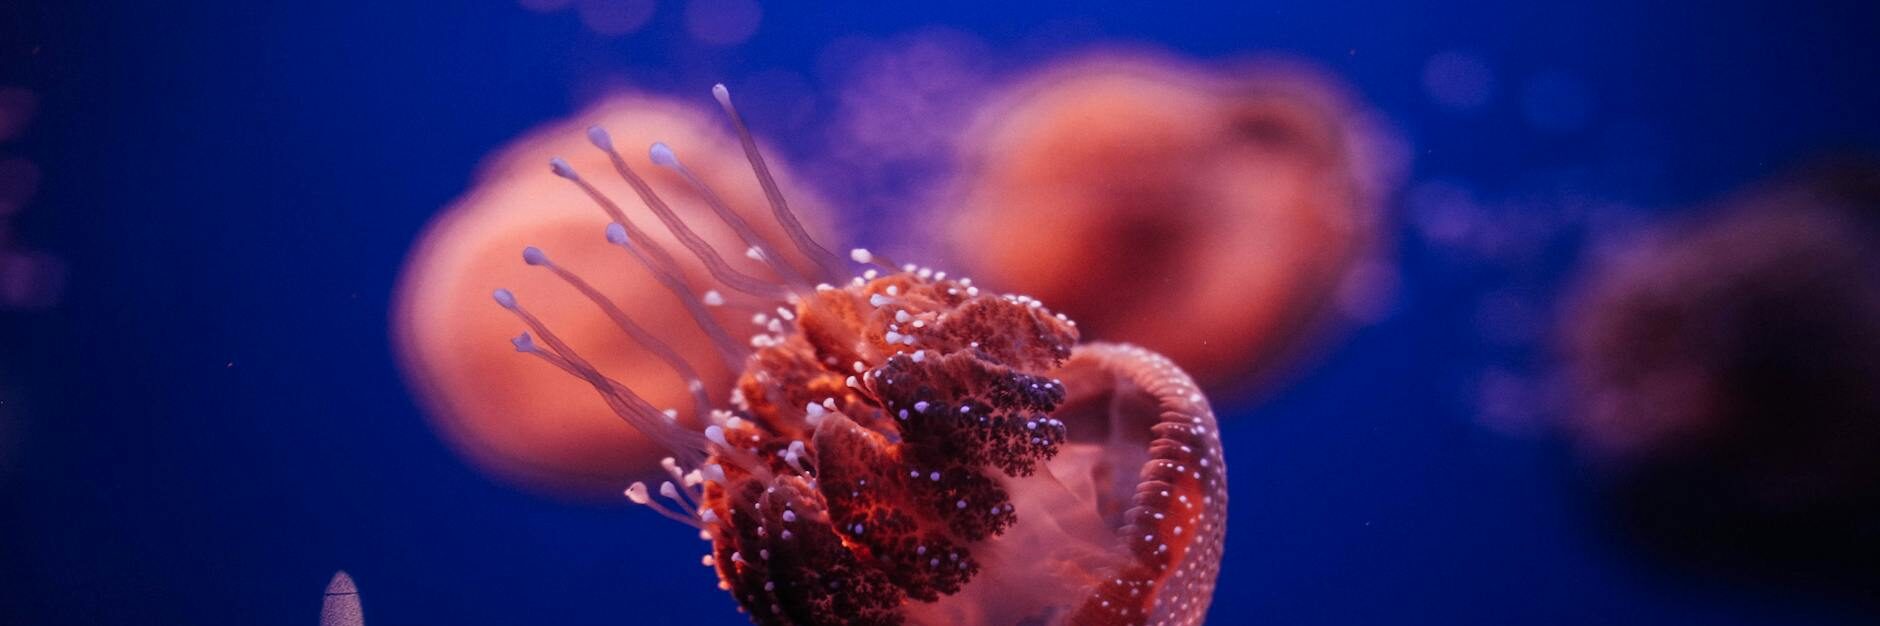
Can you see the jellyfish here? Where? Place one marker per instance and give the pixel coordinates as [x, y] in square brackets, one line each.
[538, 429]
[1725, 372]
[904, 446]
[1214, 216]
[29, 279]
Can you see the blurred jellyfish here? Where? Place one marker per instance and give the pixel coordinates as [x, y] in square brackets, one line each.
[340, 606]
[1725, 372]
[1218, 217]
[523, 422]
[29, 279]
[17, 105]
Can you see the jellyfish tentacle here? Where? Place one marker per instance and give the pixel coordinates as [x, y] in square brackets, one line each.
[655, 252]
[759, 248]
[701, 404]
[637, 494]
[621, 400]
[620, 235]
[654, 257]
[636, 411]
[736, 302]
[866, 256]
[684, 481]
[714, 263]
[830, 264]
[703, 250]
[678, 497]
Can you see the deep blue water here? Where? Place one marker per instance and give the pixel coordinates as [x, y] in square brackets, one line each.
[213, 422]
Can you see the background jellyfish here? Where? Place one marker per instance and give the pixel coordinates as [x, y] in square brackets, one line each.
[1724, 375]
[30, 279]
[526, 423]
[1217, 217]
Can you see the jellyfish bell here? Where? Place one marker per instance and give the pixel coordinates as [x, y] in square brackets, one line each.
[1725, 369]
[902, 446]
[541, 429]
[1213, 216]
[1131, 508]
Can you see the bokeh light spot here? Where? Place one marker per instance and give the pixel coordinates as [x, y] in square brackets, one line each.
[722, 22]
[30, 280]
[17, 105]
[615, 17]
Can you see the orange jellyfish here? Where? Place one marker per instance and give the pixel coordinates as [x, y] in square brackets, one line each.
[1726, 373]
[1215, 217]
[538, 428]
[903, 447]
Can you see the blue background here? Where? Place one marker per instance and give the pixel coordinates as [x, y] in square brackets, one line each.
[214, 423]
